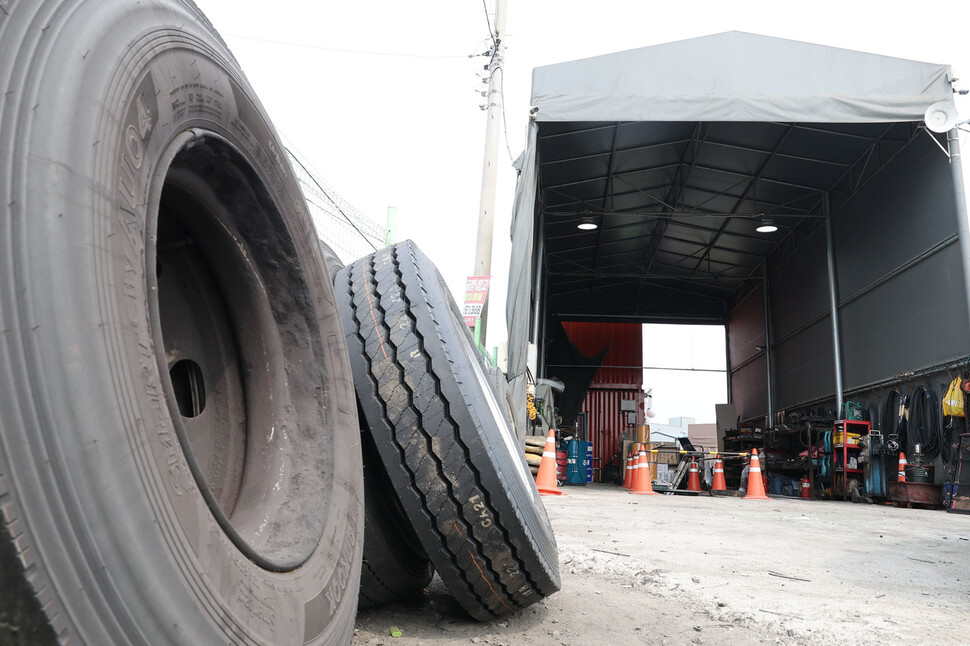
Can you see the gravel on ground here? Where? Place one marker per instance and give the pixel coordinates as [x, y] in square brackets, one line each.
[722, 570]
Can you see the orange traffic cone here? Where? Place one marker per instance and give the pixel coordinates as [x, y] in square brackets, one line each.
[693, 479]
[628, 477]
[756, 486]
[902, 467]
[641, 481]
[546, 478]
[718, 483]
[634, 465]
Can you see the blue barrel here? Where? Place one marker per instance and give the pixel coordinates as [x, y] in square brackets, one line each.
[589, 462]
[575, 462]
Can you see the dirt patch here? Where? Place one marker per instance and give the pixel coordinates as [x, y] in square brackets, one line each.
[681, 570]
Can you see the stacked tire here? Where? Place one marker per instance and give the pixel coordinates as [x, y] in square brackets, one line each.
[443, 436]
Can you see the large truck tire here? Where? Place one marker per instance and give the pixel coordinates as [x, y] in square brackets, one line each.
[179, 444]
[443, 436]
[395, 566]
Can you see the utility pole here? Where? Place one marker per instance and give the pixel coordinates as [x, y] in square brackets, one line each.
[486, 210]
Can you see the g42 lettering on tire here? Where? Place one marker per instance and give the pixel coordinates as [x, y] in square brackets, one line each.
[179, 458]
[443, 436]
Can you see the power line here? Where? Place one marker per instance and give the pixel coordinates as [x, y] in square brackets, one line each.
[488, 21]
[348, 51]
[505, 127]
[332, 201]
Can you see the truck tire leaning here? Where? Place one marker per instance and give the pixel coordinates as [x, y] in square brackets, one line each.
[442, 434]
[179, 443]
[395, 566]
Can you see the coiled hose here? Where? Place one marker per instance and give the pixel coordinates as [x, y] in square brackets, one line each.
[872, 415]
[924, 427]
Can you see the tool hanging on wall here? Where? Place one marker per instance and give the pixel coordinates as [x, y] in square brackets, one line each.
[826, 454]
[953, 407]
[953, 399]
[894, 418]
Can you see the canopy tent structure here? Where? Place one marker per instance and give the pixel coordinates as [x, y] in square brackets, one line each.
[678, 152]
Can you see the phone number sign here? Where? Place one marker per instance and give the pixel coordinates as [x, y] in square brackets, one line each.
[476, 288]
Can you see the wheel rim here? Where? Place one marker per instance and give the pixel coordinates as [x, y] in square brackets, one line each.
[238, 347]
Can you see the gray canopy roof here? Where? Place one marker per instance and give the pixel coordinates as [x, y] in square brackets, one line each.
[737, 76]
[675, 151]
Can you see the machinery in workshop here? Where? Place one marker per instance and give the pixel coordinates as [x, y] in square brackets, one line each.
[574, 455]
[889, 449]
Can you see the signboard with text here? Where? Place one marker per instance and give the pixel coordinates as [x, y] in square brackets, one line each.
[476, 287]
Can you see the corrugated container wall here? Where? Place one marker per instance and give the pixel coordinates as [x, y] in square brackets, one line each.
[612, 383]
[606, 423]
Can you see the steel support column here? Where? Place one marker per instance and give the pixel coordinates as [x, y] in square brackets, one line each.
[960, 194]
[833, 304]
[767, 305]
[727, 357]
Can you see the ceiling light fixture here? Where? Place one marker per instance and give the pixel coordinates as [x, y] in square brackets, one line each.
[766, 225]
[587, 224]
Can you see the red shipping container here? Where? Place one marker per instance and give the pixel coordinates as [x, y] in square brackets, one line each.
[620, 379]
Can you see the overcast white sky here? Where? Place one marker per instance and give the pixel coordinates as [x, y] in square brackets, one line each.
[382, 99]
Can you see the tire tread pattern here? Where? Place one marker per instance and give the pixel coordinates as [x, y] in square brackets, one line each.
[395, 567]
[432, 457]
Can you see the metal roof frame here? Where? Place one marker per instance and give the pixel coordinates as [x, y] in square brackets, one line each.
[694, 232]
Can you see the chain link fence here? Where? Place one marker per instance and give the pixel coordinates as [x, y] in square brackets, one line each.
[349, 232]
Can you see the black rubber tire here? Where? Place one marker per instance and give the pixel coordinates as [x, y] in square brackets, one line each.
[442, 435]
[395, 566]
[331, 260]
[164, 482]
[22, 621]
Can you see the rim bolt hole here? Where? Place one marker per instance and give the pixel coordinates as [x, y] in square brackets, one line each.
[189, 387]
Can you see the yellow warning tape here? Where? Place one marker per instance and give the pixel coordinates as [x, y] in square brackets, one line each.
[715, 453]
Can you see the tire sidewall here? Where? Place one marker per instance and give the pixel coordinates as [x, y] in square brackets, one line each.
[115, 449]
[469, 382]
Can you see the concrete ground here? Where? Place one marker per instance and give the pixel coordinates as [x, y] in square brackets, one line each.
[701, 570]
